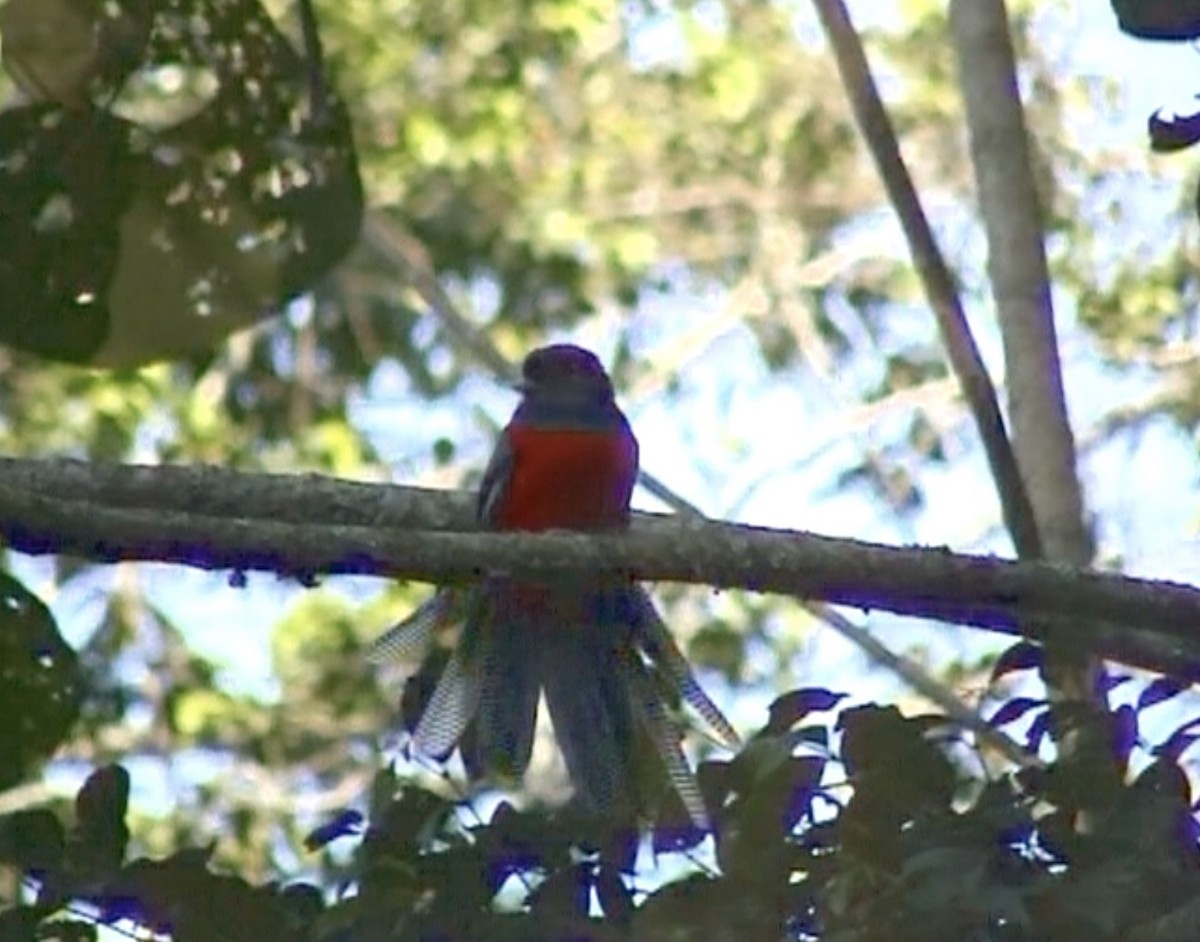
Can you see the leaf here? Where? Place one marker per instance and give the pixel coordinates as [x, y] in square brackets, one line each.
[565, 895]
[792, 707]
[1179, 741]
[1107, 682]
[715, 785]
[1024, 655]
[800, 784]
[20, 923]
[615, 898]
[1014, 709]
[304, 904]
[32, 840]
[1038, 730]
[521, 842]
[41, 685]
[1164, 688]
[68, 930]
[1172, 20]
[1176, 745]
[346, 823]
[1178, 133]
[406, 824]
[1123, 732]
[97, 841]
[762, 757]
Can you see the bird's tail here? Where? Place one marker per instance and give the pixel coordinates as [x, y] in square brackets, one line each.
[614, 681]
[612, 675]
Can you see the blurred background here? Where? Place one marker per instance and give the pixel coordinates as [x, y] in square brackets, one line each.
[676, 185]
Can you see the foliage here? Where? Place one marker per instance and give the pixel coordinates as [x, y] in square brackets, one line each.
[40, 682]
[868, 826]
[139, 240]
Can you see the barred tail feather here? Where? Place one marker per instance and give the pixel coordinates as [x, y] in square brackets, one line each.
[655, 639]
[590, 710]
[411, 638]
[664, 733]
[509, 686]
[450, 709]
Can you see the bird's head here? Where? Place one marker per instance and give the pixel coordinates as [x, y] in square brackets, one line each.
[564, 371]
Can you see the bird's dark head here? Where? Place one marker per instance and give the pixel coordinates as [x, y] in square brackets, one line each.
[565, 371]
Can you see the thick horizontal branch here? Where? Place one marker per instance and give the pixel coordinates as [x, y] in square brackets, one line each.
[307, 526]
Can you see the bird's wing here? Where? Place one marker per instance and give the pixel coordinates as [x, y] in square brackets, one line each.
[654, 637]
[496, 478]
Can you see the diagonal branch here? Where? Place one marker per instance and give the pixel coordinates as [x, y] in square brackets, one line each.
[331, 527]
[1020, 278]
[1009, 205]
[935, 275]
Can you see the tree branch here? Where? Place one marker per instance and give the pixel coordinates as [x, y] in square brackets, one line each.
[1008, 201]
[305, 526]
[876, 129]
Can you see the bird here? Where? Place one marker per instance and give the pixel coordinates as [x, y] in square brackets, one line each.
[595, 648]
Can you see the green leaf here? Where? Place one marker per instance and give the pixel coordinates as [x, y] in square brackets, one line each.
[41, 687]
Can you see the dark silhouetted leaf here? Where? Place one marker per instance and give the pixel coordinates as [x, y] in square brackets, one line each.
[403, 829]
[1177, 133]
[303, 902]
[565, 896]
[41, 687]
[32, 840]
[1179, 741]
[792, 707]
[96, 842]
[1014, 709]
[1024, 655]
[881, 746]
[1173, 20]
[521, 842]
[1106, 681]
[1123, 724]
[1038, 730]
[615, 898]
[345, 824]
[20, 923]
[1164, 688]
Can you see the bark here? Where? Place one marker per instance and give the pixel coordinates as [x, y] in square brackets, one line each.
[1008, 201]
[936, 279]
[306, 526]
[1042, 437]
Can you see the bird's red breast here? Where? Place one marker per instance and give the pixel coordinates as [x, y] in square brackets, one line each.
[561, 478]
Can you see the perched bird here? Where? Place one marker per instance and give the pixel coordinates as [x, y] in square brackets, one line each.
[596, 648]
